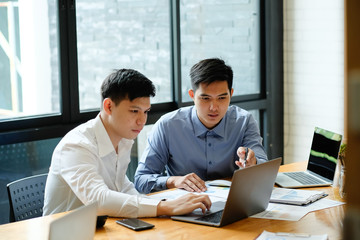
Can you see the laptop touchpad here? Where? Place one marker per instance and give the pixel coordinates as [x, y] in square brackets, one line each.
[215, 207]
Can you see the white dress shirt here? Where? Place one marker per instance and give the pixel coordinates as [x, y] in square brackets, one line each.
[86, 168]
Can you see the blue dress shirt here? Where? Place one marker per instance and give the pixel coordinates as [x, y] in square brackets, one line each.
[181, 144]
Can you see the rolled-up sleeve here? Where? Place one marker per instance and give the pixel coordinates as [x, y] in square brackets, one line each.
[149, 174]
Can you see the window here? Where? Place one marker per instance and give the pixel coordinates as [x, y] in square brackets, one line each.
[224, 29]
[29, 64]
[122, 34]
[63, 52]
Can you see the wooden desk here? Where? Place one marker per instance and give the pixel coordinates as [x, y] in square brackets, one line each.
[319, 222]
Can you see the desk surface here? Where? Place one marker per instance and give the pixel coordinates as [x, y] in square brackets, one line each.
[319, 222]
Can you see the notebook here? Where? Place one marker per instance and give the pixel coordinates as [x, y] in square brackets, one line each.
[77, 224]
[249, 194]
[321, 164]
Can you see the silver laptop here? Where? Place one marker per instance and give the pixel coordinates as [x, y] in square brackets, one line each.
[249, 194]
[77, 224]
[321, 164]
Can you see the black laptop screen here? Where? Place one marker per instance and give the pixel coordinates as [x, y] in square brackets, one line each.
[324, 152]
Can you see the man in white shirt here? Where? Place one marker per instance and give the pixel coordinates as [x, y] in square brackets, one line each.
[90, 162]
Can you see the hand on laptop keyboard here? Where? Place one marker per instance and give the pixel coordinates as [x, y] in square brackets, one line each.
[184, 204]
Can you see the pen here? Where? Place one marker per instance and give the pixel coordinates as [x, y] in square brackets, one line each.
[246, 153]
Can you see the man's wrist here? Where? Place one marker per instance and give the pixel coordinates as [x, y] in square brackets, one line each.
[163, 208]
[170, 182]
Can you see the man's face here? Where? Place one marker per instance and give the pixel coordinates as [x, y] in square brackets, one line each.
[128, 118]
[212, 102]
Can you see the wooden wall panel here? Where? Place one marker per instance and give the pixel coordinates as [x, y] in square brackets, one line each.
[352, 118]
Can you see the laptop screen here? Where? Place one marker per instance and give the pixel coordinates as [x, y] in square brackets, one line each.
[324, 152]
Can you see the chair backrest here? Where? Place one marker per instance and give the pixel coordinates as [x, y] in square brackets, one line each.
[26, 197]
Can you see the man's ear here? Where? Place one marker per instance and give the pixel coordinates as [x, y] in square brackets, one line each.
[107, 105]
[231, 92]
[191, 94]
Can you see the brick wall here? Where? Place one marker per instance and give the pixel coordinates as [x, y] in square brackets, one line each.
[313, 72]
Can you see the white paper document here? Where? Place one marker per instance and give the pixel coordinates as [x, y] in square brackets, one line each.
[265, 235]
[278, 211]
[295, 196]
[215, 194]
[282, 212]
[169, 194]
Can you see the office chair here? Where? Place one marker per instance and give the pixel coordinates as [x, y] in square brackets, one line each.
[26, 197]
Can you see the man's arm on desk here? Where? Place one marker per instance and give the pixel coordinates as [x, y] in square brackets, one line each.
[184, 204]
[190, 182]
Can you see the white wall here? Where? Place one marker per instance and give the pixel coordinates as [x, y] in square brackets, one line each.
[313, 72]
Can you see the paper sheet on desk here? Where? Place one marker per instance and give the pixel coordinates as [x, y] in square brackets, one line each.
[265, 235]
[215, 194]
[287, 212]
[322, 204]
[281, 212]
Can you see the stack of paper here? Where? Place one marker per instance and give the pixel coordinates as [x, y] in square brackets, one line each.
[295, 196]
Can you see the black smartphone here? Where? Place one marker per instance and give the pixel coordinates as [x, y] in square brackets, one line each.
[135, 224]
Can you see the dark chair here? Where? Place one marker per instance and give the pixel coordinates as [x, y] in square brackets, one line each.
[26, 197]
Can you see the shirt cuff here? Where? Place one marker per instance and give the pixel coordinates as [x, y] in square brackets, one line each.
[148, 207]
[161, 183]
[260, 160]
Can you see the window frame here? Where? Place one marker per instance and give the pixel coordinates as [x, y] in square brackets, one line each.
[269, 101]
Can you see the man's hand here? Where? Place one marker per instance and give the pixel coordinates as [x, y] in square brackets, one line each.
[184, 204]
[190, 182]
[250, 160]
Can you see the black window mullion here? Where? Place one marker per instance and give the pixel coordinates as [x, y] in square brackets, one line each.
[74, 105]
[175, 51]
[260, 104]
[247, 97]
[274, 78]
[64, 61]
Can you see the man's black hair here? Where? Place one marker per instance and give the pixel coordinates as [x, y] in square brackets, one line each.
[210, 70]
[126, 83]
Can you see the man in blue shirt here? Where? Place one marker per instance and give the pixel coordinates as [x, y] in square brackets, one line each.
[202, 142]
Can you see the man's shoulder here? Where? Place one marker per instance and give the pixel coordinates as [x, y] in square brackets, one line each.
[179, 114]
[237, 112]
[174, 120]
[82, 134]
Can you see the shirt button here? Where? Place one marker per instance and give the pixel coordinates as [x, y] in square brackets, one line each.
[210, 162]
[209, 144]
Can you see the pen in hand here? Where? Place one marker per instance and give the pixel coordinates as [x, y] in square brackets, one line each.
[246, 154]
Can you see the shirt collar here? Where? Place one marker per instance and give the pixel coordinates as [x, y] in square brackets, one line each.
[103, 139]
[200, 130]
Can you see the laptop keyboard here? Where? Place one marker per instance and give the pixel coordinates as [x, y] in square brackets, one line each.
[213, 217]
[303, 178]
